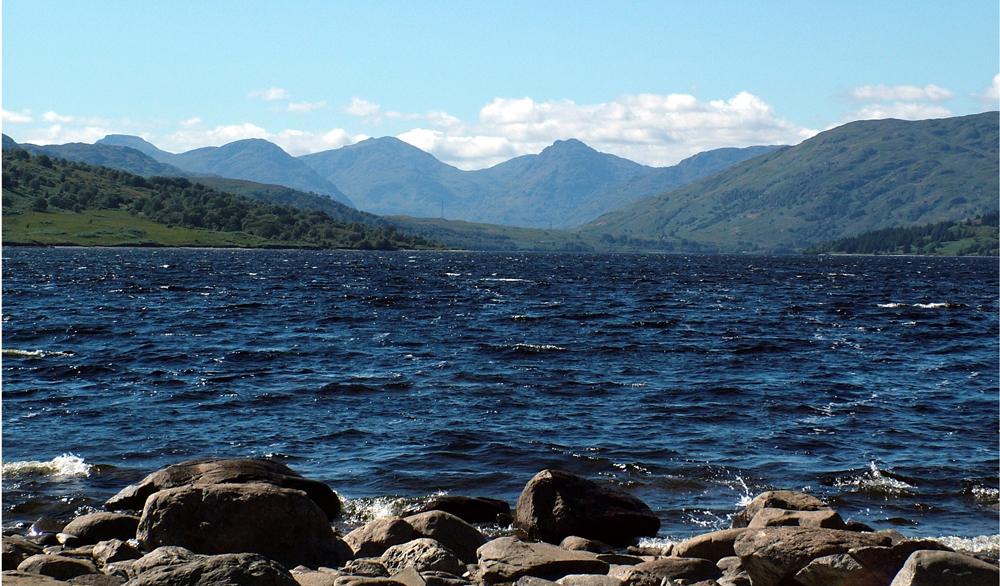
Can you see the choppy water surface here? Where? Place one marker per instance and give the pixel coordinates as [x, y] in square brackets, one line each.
[690, 381]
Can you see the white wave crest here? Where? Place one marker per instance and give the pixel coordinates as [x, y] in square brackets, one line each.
[359, 511]
[33, 353]
[65, 465]
[985, 544]
[876, 481]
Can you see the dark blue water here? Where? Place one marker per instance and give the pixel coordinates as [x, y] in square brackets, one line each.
[690, 381]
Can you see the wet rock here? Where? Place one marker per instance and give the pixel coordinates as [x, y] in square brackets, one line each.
[374, 538]
[44, 531]
[58, 567]
[839, 569]
[18, 578]
[710, 546]
[16, 548]
[588, 580]
[424, 555]
[769, 517]
[455, 534]
[97, 527]
[661, 570]
[582, 544]
[885, 562]
[469, 509]
[556, 504]
[245, 569]
[281, 524]
[946, 568]
[113, 551]
[506, 559]
[788, 500]
[372, 567]
[774, 554]
[207, 471]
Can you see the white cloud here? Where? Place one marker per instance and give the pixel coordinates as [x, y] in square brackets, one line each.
[899, 110]
[294, 142]
[990, 95]
[191, 122]
[14, 118]
[59, 134]
[899, 93]
[658, 130]
[270, 94]
[51, 116]
[306, 107]
[373, 113]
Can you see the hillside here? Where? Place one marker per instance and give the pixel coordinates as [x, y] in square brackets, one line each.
[60, 202]
[977, 236]
[565, 185]
[852, 179]
[116, 157]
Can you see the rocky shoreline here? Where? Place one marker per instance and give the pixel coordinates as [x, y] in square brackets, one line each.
[253, 522]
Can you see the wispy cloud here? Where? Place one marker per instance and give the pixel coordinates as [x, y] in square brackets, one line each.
[14, 118]
[270, 94]
[899, 93]
[306, 107]
[294, 142]
[373, 113]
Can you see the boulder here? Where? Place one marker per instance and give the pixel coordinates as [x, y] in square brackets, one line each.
[365, 581]
[946, 568]
[245, 569]
[775, 554]
[97, 527]
[556, 504]
[425, 555]
[438, 579]
[770, 517]
[206, 471]
[96, 580]
[281, 524]
[16, 548]
[507, 558]
[886, 562]
[372, 567]
[44, 531]
[114, 550]
[315, 578]
[374, 538]
[452, 532]
[19, 578]
[839, 569]
[788, 500]
[581, 544]
[58, 567]
[161, 556]
[710, 546]
[469, 509]
[664, 570]
[588, 580]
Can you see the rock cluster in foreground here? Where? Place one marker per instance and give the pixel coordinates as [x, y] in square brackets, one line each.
[258, 523]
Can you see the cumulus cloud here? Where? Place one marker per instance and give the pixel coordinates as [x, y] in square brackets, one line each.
[653, 129]
[14, 118]
[989, 96]
[60, 134]
[270, 94]
[899, 93]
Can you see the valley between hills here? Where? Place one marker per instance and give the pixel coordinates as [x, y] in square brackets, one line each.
[849, 181]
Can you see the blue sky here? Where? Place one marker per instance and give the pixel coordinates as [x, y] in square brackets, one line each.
[476, 83]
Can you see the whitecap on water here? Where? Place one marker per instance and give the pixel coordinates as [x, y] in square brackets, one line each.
[33, 353]
[65, 465]
[984, 544]
[876, 481]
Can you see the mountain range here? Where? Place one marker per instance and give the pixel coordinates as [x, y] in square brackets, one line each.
[852, 179]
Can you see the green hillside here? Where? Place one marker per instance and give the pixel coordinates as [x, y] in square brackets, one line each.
[973, 237]
[59, 202]
[852, 179]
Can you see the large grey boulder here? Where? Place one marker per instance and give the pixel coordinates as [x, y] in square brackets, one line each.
[58, 567]
[452, 532]
[372, 539]
[425, 555]
[770, 517]
[97, 527]
[664, 570]
[839, 569]
[207, 471]
[775, 554]
[710, 546]
[788, 500]
[556, 504]
[19, 578]
[946, 568]
[507, 558]
[885, 562]
[237, 569]
[282, 524]
[113, 551]
[469, 509]
[16, 548]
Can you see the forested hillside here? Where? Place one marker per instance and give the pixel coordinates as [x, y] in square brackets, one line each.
[54, 201]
